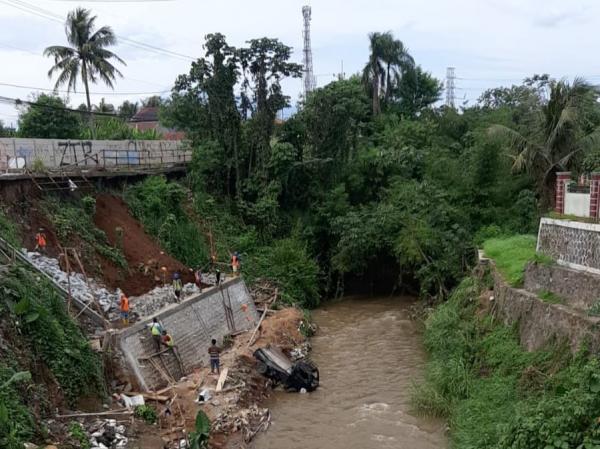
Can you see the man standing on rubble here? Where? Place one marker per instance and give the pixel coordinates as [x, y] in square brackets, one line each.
[177, 285]
[124, 306]
[214, 351]
[167, 340]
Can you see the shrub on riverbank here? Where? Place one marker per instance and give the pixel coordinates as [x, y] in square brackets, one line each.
[496, 395]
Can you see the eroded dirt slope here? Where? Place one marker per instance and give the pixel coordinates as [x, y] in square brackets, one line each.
[144, 255]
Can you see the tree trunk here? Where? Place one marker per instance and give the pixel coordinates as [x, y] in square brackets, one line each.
[84, 75]
[376, 106]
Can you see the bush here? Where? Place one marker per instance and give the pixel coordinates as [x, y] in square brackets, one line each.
[9, 231]
[54, 337]
[288, 264]
[147, 413]
[495, 394]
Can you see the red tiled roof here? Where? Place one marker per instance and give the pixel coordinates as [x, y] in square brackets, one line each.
[147, 114]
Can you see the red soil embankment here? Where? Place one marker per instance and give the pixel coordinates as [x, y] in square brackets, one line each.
[144, 255]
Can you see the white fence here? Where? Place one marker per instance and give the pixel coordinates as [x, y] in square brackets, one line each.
[18, 155]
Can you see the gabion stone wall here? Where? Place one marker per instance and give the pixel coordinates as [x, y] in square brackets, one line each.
[571, 243]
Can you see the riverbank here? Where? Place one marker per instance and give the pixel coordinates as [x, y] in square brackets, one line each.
[495, 394]
[369, 353]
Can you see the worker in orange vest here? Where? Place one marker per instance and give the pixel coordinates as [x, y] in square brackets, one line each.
[124, 305]
[40, 240]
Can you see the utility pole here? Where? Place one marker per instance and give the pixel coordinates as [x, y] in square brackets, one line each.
[450, 86]
[309, 77]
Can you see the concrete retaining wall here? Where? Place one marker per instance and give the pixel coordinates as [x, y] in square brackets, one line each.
[571, 243]
[579, 289]
[192, 324]
[540, 323]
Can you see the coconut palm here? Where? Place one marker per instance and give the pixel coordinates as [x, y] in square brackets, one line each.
[87, 56]
[561, 131]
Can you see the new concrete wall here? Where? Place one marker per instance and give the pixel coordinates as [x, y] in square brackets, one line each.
[192, 324]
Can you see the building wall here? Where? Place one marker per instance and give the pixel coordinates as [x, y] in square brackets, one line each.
[192, 324]
[577, 204]
[571, 243]
[18, 154]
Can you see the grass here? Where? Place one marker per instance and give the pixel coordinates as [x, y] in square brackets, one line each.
[496, 395]
[511, 254]
[594, 310]
[549, 297]
[557, 216]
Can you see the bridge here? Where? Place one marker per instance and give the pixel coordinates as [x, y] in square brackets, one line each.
[53, 164]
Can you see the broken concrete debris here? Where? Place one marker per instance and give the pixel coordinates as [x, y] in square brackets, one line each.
[80, 289]
[107, 434]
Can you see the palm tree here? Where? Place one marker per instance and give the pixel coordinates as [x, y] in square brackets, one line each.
[388, 61]
[373, 73]
[398, 62]
[560, 132]
[87, 56]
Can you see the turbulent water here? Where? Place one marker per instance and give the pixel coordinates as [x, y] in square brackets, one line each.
[369, 354]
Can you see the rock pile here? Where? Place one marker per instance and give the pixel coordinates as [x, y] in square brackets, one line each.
[80, 289]
[157, 299]
[107, 434]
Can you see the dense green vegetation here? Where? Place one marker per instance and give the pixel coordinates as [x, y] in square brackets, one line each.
[496, 395]
[47, 118]
[43, 342]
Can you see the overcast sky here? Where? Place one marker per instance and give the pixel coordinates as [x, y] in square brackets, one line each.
[490, 42]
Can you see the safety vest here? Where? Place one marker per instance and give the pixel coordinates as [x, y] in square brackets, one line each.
[155, 329]
[177, 284]
[124, 303]
[40, 239]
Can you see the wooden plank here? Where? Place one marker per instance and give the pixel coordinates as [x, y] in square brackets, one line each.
[150, 396]
[222, 379]
[257, 326]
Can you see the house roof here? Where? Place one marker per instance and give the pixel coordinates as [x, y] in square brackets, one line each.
[147, 114]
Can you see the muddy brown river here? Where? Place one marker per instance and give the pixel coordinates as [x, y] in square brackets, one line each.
[369, 353]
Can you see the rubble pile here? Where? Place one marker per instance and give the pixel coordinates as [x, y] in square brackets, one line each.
[156, 299]
[80, 289]
[107, 434]
[249, 421]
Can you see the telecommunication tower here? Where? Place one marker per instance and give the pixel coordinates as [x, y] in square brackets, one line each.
[450, 86]
[309, 77]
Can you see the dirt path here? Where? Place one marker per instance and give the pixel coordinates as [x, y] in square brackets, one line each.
[144, 255]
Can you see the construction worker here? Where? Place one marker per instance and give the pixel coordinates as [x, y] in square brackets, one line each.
[156, 331]
[177, 285]
[40, 241]
[198, 278]
[215, 355]
[235, 263]
[218, 277]
[167, 340]
[124, 306]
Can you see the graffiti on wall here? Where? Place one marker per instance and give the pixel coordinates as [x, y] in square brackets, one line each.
[77, 153]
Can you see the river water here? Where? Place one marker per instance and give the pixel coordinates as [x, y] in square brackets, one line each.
[369, 354]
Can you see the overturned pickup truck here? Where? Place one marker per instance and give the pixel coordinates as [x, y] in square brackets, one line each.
[275, 365]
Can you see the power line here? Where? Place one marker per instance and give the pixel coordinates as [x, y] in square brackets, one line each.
[18, 86]
[49, 15]
[19, 102]
[450, 77]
